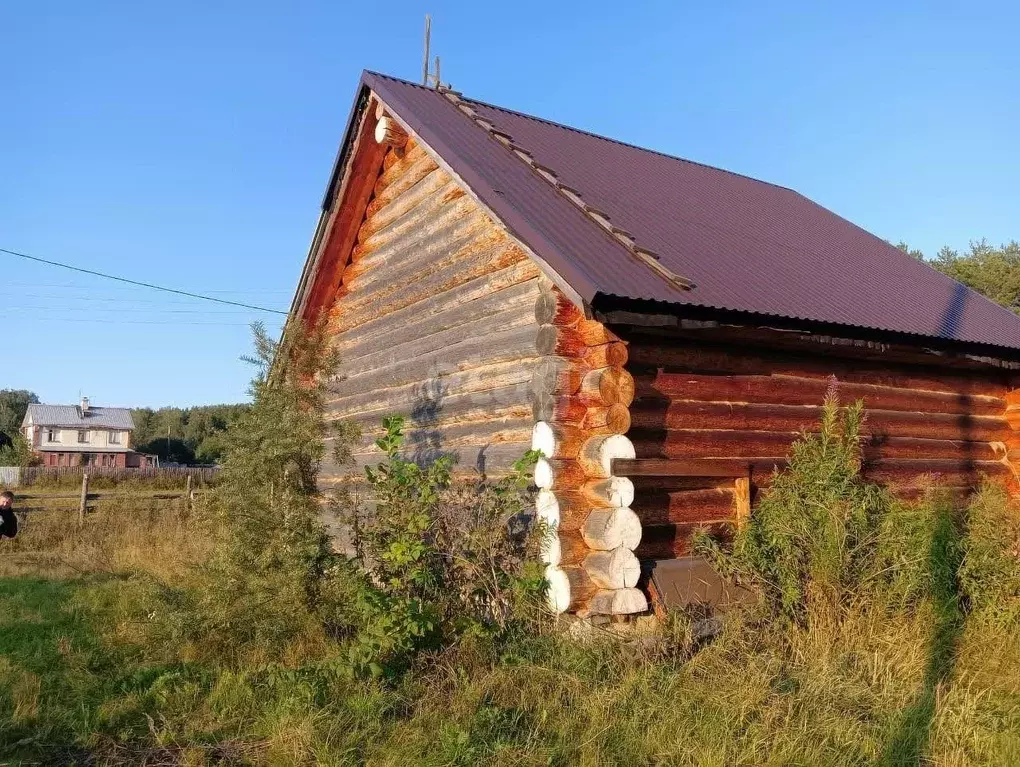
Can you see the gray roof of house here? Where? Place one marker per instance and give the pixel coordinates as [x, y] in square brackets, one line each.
[71, 416]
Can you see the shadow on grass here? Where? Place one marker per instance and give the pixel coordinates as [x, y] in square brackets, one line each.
[910, 739]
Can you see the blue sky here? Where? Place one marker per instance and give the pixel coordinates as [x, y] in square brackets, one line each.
[189, 144]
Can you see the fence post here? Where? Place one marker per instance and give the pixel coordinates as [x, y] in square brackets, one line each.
[84, 498]
[189, 494]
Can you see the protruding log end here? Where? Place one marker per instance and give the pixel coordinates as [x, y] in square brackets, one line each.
[547, 508]
[558, 592]
[618, 602]
[553, 308]
[598, 453]
[556, 440]
[616, 569]
[389, 132]
[614, 491]
[608, 529]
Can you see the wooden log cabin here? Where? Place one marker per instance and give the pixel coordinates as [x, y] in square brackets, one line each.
[662, 330]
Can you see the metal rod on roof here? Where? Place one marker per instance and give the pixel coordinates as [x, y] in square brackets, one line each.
[438, 81]
[425, 60]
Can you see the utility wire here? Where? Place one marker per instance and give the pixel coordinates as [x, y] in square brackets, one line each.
[140, 284]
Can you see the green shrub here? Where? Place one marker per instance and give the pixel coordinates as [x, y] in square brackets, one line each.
[441, 560]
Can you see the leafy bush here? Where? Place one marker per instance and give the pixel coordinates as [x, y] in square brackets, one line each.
[442, 561]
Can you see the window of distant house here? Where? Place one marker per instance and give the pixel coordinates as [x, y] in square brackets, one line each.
[52, 435]
[114, 437]
[83, 436]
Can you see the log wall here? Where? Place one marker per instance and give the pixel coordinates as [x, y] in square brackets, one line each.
[708, 400]
[434, 320]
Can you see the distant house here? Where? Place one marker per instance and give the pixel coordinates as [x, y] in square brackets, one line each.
[82, 435]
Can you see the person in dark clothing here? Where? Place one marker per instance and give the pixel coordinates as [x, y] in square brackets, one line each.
[8, 522]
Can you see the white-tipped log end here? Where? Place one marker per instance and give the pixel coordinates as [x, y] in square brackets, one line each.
[618, 602]
[543, 439]
[547, 508]
[616, 569]
[389, 132]
[549, 550]
[543, 474]
[608, 529]
[558, 593]
[598, 453]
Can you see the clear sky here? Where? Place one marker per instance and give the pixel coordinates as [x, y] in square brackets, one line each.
[189, 143]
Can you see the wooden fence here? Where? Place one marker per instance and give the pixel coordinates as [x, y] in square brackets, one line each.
[81, 500]
[24, 477]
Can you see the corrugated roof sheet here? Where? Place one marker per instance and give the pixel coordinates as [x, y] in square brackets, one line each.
[747, 245]
[71, 416]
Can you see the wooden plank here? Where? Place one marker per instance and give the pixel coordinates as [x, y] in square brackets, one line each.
[675, 540]
[495, 459]
[686, 506]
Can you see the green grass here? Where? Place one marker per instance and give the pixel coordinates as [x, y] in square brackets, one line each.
[89, 676]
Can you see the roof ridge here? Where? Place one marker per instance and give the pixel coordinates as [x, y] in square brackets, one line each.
[592, 134]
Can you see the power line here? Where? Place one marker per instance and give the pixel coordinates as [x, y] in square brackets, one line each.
[140, 284]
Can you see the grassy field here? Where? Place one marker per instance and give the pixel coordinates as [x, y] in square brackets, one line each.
[86, 678]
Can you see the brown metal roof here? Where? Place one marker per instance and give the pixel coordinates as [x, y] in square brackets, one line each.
[748, 246]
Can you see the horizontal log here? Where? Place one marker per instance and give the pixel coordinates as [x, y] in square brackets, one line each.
[614, 419]
[686, 506]
[613, 491]
[557, 376]
[559, 341]
[955, 473]
[557, 440]
[721, 443]
[572, 546]
[566, 410]
[376, 330]
[414, 326]
[471, 460]
[859, 351]
[580, 585]
[598, 453]
[683, 414]
[506, 425]
[616, 569]
[554, 308]
[794, 390]
[491, 386]
[594, 333]
[605, 355]
[382, 212]
[511, 345]
[695, 358]
[698, 467]
[607, 386]
[675, 540]
[556, 474]
[430, 249]
[606, 529]
[617, 602]
[893, 472]
[454, 258]
[403, 174]
[350, 311]
[415, 348]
